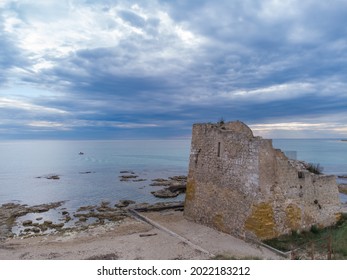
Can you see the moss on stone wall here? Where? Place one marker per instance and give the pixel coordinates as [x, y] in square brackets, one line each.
[261, 222]
[293, 215]
[218, 222]
[190, 191]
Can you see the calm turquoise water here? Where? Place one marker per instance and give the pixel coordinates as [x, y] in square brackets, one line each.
[22, 161]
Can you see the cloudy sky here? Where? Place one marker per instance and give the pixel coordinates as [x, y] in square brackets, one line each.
[83, 69]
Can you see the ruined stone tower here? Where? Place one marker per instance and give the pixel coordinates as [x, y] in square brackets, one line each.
[240, 184]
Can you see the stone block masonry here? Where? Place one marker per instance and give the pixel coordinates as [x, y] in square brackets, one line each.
[240, 184]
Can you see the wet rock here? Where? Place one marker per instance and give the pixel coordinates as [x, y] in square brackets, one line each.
[130, 176]
[139, 180]
[53, 177]
[9, 213]
[27, 223]
[50, 225]
[45, 207]
[82, 219]
[50, 177]
[99, 214]
[43, 228]
[127, 171]
[39, 209]
[179, 178]
[160, 182]
[104, 212]
[86, 208]
[124, 203]
[20, 213]
[105, 203]
[178, 188]
[165, 193]
[77, 215]
[67, 218]
[56, 226]
[172, 181]
[172, 191]
[127, 177]
[160, 206]
[141, 205]
[175, 186]
[111, 216]
[9, 205]
[103, 209]
[35, 230]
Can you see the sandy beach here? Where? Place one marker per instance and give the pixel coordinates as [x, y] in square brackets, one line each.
[166, 235]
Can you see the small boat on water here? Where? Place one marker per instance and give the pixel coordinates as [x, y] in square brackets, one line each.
[81, 153]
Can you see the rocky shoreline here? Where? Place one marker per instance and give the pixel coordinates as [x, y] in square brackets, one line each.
[21, 220]
[84, 217]
[174, 186]
[10, 212]
[163, 234]
[14, 215]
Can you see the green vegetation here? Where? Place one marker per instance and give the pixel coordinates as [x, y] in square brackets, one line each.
[315, 168]
[319, 239]
[221, 121]
[314, 229]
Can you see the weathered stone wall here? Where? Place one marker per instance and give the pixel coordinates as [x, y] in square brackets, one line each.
[240, 184]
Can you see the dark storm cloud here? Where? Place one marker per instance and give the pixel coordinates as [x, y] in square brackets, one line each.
[159, 66]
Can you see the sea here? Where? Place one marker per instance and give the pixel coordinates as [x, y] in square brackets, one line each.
[90, 171]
